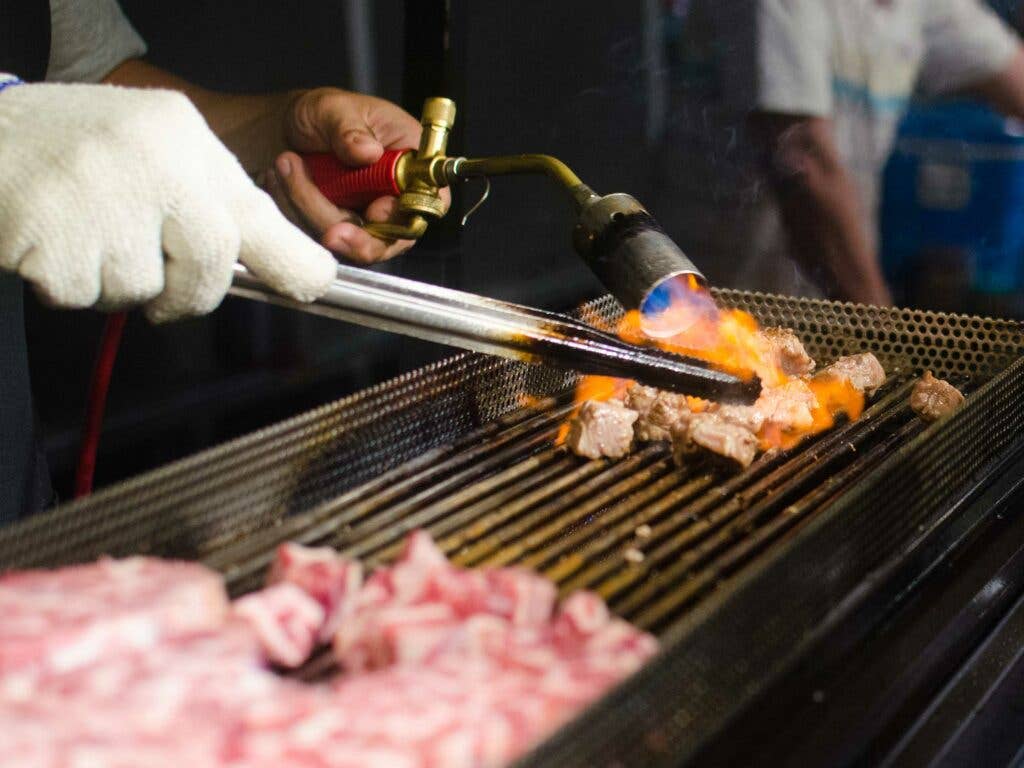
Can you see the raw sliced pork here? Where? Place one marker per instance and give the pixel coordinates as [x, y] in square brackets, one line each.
[444, 667]
[63, 619]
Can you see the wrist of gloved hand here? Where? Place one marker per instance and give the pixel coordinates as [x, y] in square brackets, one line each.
[7, 80]
[112, 197]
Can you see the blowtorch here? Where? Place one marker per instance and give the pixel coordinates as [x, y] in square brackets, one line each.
[614, 234]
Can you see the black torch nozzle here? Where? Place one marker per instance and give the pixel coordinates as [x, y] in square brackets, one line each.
[627, 249]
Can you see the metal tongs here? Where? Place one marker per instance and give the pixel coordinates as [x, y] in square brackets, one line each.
[480, 324]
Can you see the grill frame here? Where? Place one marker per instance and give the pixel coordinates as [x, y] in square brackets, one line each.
[287, 479]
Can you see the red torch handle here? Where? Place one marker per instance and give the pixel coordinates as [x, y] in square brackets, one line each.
[355, 188]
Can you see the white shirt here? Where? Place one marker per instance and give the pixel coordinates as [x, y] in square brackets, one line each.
[856, 62]
[88, 39]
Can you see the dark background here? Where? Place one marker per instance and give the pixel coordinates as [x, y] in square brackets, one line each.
[569, 82]
[585, 81]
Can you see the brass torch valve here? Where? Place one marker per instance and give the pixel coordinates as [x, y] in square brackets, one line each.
[614, 234]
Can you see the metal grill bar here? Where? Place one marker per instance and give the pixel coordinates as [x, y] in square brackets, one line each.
[649, 537]
[483, 449]
[293, 470]
[518, 540]
[725, 653]
[678, 556]
[689, 524]
[494, 532]
[658, 600]
[507, 496]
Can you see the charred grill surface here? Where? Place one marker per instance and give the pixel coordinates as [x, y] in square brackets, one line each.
[649, 537]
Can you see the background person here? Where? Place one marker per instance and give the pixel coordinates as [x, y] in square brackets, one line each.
[785, 114]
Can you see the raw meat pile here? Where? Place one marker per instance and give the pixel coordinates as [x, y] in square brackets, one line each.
[144, 662]
[610, 428]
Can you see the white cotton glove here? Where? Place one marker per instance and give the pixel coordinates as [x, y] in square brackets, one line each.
[116, 196]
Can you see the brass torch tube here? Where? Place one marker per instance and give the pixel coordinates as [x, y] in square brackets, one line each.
[414, 229]
[506, 165]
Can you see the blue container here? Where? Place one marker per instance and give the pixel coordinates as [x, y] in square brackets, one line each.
[955, 184]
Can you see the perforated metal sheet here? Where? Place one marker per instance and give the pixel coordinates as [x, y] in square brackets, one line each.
[192, 506]
[220, 495]
[902, 339]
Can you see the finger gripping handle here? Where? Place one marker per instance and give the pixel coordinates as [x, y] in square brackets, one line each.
[354, 187]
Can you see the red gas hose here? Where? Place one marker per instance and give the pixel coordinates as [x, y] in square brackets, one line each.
[97, 402]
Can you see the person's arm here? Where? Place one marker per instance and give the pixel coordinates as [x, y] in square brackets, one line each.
[781, 69]
[251, 126]
[820, 207]
[1005, 90]
[969, 50]
[265, 131]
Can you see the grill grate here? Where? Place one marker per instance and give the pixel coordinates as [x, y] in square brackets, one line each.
[515, 499]
[734, 570]
[257, 482]
[730, 648]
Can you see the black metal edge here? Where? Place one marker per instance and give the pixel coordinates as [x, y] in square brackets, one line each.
[978, 719]
[745, 637]
[991, 733]
[877, 662]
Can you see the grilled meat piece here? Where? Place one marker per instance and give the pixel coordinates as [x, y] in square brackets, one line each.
[601, 429]
[788, 407]
[863, 371]
[785, 348]
[932, 398]
[750, 417]
[711, 432]
[640, 398]
[664, 413]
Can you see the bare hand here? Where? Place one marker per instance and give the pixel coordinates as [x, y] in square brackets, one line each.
[357, 129]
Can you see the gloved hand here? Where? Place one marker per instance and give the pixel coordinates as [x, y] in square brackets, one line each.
[113, 196]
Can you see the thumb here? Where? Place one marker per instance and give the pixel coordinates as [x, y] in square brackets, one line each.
[354, 144]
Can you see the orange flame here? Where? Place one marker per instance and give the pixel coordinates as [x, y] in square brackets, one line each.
[697, 404]
[693, 325]
[527, 400]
